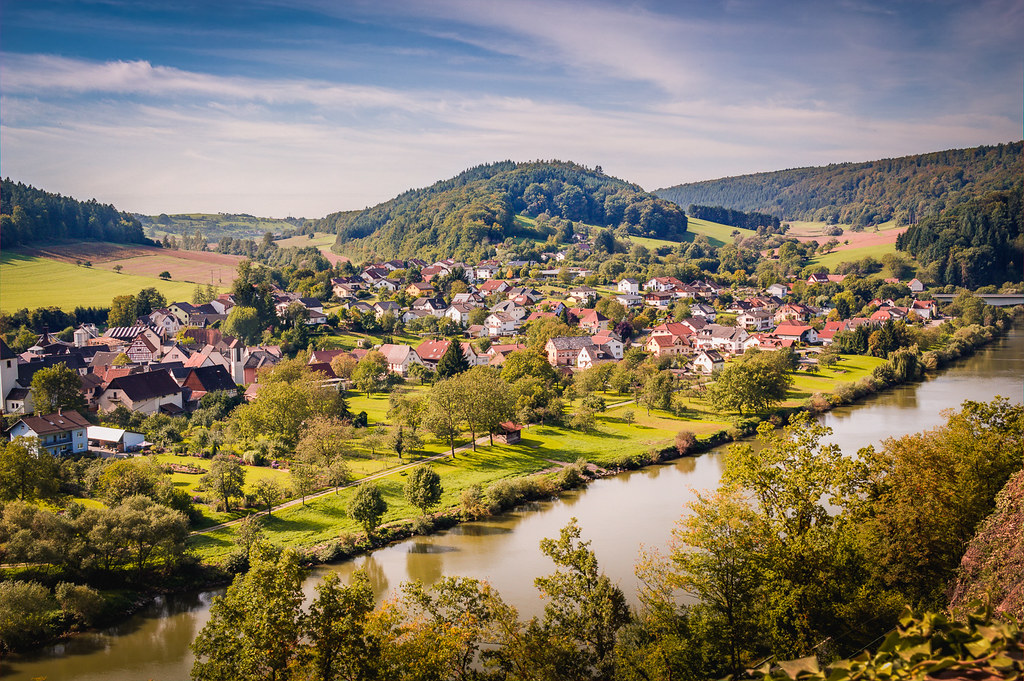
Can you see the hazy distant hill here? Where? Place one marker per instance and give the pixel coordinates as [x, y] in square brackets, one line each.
[29, 216]
[216, 226]
[461, 217]
[906, 189]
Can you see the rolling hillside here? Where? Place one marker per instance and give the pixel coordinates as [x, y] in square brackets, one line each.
[465, 216]
[904, 189]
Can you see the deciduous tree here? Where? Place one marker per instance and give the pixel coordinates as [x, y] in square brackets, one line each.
[56, 387]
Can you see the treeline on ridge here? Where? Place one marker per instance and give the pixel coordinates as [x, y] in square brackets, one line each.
[734, 218]
[29, 215]
[904, 189]
[978, 243]
[462, 216]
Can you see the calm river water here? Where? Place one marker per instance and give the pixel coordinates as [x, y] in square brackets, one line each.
[621, 516]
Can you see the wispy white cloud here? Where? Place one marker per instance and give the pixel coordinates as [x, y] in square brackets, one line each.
[228, 146]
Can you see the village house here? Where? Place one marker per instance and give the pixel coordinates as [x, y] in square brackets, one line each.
[628, 286]
[591, 321]
[798, 333]
[420, 289]
[582, 295]
[459, 312]
[757, 319]
[400, 358]
[663, 284]
[793, 312]
[707, 361]
[722, 338]
[591, 355]
[703, 310]
[658, 299]
[501, 324]
[665, 345]
[146, 393]
[57, 434]
[610, 340]
[778, 290]
[564, 350]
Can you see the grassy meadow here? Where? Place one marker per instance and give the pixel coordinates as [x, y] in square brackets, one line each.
[32, 281]
[543, 448]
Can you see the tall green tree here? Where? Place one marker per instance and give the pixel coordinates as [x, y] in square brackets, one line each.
[489, 400]
[371, 373]
[254, 626]
[584, 613]
[225, 478]
[122, 311]
[243, 322]
[149, 299]
[368, 506]
[446, 409]
[26, 473]
[423, 488]
[342, 641]
[453, 361]
[752, 383]
[56, 387]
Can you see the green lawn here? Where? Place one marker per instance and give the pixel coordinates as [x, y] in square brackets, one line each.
[849, 369]
[32, 281]
[319, 240]
[717, 233]
[832, 259]
[326, 518]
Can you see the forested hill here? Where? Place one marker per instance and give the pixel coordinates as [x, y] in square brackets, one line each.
[29, 215]
[906, 189]
[978, 243]
[465, 216]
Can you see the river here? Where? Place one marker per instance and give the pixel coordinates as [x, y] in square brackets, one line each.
[621, 515]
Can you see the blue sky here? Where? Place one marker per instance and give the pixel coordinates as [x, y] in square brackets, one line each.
[303, 107]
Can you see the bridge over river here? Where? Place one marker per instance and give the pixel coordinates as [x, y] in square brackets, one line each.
[996, 299]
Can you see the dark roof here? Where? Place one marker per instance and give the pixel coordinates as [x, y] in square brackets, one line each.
[571, 342]
[146, 385]
[61, 422]
[211, 378]
[28, 369]
[5, 351]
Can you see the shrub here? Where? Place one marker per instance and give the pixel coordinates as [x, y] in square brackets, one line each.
[83, 602]
[472, 504]
[685, 442]
[27, 616]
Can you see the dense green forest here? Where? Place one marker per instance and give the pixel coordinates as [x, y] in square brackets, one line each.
[735, 218]
[463, 216]
[975, 244]
[29, 215]
[904, 189]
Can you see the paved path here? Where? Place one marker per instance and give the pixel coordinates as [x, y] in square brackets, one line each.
[332, 490]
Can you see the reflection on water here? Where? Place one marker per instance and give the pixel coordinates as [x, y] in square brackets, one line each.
[619, 515]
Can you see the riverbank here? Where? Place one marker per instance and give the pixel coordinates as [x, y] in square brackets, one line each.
[493, 479]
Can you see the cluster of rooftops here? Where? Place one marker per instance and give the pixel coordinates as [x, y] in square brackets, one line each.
[170, 358]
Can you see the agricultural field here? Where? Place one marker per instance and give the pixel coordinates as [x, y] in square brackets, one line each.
[847, 254]
[30, 281]
[320, 239]
[197, 267]
[874, 242]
